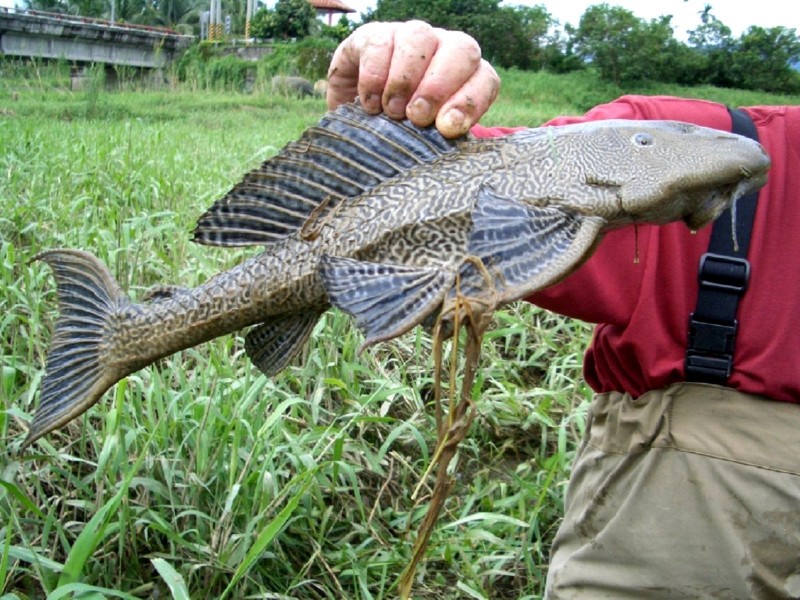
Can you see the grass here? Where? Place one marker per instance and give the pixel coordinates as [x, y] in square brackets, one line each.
[198, 477]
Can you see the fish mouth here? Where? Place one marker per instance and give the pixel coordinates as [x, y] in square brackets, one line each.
[711, 204]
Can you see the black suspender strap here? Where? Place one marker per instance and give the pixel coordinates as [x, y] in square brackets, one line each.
[724, 274]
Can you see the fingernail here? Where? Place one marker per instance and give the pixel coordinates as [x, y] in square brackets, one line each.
[396, 107]
[453, 122]
[420, 112]
[372, 103]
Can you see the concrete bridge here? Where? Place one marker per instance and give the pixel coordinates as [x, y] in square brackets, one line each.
[35, 34]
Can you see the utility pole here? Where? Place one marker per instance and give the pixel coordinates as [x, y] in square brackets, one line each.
[215, 20]
[248, 18]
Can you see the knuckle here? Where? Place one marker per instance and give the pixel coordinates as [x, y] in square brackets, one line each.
[417, 27]
[468, 47]
[492, 78]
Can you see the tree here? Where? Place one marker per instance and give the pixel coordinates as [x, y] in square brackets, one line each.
[85, 8]
[294, 18]
[263, 25]
[761, 60]
[340, 31]
[290, 19]
[711, 34]
[625, 48]
[712, 44]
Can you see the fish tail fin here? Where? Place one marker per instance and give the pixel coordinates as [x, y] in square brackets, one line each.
[75, 376]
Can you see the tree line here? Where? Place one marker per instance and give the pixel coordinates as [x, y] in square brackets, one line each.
[623, 48]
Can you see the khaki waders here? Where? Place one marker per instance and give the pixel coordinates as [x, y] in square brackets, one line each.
[692, 491]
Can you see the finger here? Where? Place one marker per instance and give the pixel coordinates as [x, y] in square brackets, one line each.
[470, 103]
[457, 59]
[360, 66]
[415, 44]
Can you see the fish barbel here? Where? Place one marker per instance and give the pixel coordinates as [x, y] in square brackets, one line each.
[382, 219]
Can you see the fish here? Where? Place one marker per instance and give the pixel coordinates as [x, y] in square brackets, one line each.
[390, 223]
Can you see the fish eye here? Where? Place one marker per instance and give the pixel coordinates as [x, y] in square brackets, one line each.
[643, 139]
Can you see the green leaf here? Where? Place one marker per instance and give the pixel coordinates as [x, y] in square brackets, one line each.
[95, 530]
[304, 479]
[87, 592]
[172, 578]
[28, 556]
[20, 497]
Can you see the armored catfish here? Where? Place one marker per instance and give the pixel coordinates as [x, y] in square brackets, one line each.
[385, 220]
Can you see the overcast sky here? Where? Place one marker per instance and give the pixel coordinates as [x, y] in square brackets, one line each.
[736, 14]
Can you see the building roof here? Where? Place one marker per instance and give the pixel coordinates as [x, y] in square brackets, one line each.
[332, 5]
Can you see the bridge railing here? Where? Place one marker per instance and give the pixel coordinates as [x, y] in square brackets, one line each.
[91, 20]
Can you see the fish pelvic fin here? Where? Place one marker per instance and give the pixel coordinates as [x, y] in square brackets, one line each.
[75, 376]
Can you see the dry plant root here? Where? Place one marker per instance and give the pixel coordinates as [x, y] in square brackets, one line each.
[450, 432]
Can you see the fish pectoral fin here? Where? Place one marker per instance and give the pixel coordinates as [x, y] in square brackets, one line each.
[525, 248]
[274, 343]
[386, 300]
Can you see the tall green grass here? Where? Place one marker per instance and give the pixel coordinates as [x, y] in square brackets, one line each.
[198, 477]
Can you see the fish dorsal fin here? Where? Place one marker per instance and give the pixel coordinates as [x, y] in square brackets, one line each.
[347, 153]
[524, 248]
[386, 300]
[274, 343]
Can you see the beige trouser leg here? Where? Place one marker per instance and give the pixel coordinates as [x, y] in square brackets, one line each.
[688, 492]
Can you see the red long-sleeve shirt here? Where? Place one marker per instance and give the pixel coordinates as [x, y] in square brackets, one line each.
[642, 309]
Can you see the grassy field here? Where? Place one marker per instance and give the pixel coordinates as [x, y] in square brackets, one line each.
[198, 477]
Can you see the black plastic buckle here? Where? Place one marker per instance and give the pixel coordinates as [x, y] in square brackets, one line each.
[708, 369]
[717, 338]
[724, 273]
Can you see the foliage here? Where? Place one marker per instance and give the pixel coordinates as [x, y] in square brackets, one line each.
[264, 24]
[309, 58]
[340, 31]
[623, 47]
[314, 56]
[166, 13]
[290, 19]
[761, 60]
[294, 18]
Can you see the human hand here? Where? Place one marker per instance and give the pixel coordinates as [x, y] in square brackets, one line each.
[413, 70]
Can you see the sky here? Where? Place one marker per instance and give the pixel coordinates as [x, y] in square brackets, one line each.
[736, 14]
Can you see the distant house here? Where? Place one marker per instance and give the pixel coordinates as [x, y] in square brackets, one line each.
[328, 8]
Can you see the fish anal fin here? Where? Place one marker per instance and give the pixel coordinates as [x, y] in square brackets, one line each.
[386, 300]
[274, 343]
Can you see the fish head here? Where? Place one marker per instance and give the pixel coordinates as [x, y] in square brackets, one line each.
[662, 171]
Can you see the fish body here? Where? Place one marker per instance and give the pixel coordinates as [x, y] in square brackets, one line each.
[389, 222]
